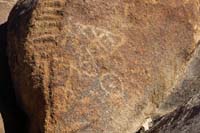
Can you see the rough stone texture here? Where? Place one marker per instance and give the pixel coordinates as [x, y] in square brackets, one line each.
[184, 119]
[187, 86]
[5, 7]
[93, 66]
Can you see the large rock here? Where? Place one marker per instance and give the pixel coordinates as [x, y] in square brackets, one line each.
[99, 66]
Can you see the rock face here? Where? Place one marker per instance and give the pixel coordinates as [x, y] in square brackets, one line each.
[5, 6]
[91, 66]
[184, 119]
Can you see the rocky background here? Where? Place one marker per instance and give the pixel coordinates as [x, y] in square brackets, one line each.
[106, 66]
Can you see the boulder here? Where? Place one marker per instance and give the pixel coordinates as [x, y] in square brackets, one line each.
[99, 66]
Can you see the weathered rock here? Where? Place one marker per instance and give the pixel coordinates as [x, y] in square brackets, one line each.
[5, 6]
[99, 66]
[184, 119]
[187, 86]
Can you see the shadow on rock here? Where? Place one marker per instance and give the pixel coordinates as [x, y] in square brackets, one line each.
[15, 120]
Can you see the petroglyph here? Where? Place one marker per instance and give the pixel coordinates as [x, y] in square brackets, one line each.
[107, 41]
[111, 83]
[86, 63]
[99, 44]
[106, 69]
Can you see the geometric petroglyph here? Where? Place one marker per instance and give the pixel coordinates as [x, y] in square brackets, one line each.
[102, 39]
[86, 63]
[96, 43]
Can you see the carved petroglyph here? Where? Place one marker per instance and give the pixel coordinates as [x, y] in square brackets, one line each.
[102, 65]
[49, 22]
[86, 63]
[97, 51]
[107, 41]
[95, 56]
[99, 43]
[111, 83]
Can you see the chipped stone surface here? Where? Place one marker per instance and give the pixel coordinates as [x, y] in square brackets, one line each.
[100, 65]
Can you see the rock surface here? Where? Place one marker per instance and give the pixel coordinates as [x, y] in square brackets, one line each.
[5, 7]
[91, 66]
[184, 119]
